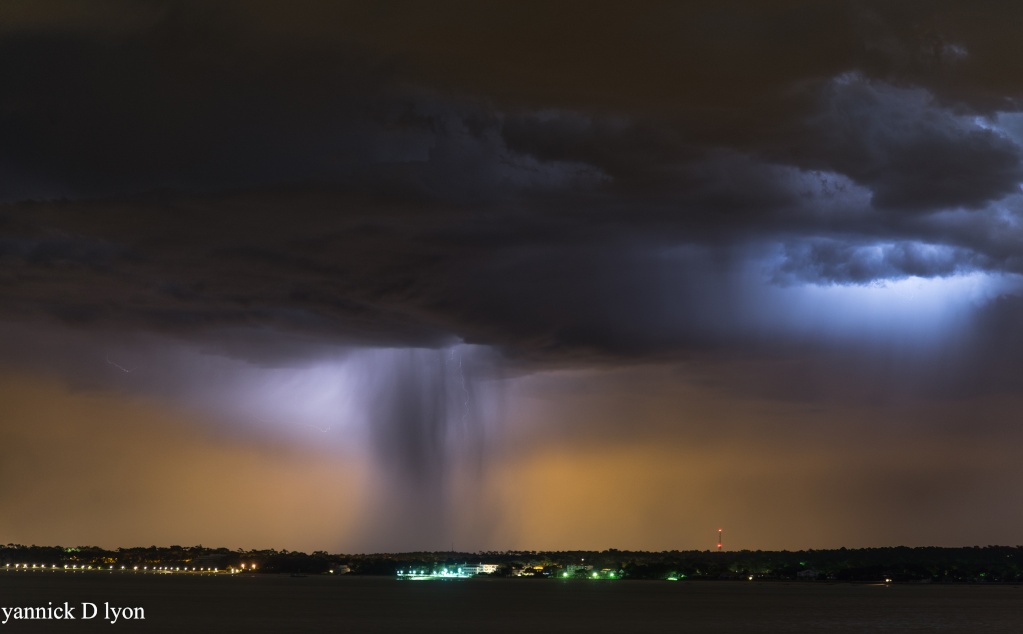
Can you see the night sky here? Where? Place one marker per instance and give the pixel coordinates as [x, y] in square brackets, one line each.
[394, 276]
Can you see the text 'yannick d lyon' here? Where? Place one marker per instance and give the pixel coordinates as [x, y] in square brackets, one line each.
[68, 612]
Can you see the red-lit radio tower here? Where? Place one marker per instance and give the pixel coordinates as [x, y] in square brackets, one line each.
[720, 543]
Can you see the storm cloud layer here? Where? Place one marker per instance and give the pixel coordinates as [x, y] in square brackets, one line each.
[399, 177]
[808, 203]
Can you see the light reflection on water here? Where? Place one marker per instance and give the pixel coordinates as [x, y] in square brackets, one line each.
[360, 604]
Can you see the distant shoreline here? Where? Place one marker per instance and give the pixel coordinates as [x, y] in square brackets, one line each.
[989, 564]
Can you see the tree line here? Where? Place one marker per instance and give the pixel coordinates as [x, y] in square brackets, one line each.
[900, 564]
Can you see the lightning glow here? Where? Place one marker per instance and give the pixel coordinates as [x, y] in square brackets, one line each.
[914, 308]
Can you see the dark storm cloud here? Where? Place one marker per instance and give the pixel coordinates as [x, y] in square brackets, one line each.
[775, 245]
[523, 176]
[912, 152]
[829, 261]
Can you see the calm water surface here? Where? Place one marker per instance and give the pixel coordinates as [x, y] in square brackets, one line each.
[270, 603]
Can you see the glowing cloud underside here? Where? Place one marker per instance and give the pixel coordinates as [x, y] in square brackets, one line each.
[760, 295]
[911, 309]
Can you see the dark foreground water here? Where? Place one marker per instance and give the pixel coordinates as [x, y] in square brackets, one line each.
[270, 603]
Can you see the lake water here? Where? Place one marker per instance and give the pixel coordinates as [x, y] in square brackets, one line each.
[271, 603]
